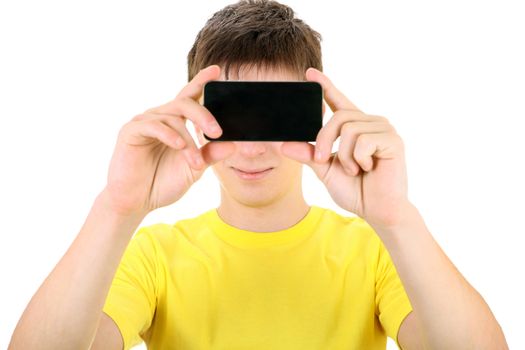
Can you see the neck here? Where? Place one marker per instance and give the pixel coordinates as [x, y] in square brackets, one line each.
[276, 216]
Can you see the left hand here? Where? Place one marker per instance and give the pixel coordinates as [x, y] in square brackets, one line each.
[367, 174]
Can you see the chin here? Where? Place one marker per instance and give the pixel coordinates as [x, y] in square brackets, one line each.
[255, 198]
[255, 193]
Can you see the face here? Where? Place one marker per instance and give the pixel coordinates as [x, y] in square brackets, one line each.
[257, 174]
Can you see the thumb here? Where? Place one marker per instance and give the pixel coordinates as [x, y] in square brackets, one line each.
[303, 152]
[215, 151]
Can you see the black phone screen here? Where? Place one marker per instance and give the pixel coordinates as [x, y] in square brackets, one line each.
[265, 110]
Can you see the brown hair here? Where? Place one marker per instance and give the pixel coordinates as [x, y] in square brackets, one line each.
[261, 33]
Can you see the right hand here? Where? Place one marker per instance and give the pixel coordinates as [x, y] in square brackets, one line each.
[156, 160]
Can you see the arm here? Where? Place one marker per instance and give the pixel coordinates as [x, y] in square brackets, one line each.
[108, 335]
[67, 308]
[65, 311]
[367, 176]
[447, 310]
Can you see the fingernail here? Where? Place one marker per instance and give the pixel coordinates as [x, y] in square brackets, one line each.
[318, 155]
[215, 128]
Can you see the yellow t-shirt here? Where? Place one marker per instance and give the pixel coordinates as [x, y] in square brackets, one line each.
[325, 283]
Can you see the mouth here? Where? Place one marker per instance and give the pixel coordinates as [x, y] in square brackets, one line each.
[252, 174]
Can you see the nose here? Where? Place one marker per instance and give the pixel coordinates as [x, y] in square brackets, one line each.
[250, 148]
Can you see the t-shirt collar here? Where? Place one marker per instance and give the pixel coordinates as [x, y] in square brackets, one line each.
[249, 239]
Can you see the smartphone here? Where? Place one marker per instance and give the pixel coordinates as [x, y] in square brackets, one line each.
[265, 110]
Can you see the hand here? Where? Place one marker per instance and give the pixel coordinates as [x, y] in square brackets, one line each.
[155, 159]
[367, 175]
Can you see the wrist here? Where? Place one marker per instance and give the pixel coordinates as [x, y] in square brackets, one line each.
[399, 219]
[105, 202]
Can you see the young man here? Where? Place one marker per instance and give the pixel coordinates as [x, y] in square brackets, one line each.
[264, 270]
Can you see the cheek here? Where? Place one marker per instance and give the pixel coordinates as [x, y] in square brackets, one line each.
[219, 169]
[289, 171]
[225, 174]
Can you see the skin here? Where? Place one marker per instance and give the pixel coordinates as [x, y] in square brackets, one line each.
[156, 161]
[273, 203]
[366, 176]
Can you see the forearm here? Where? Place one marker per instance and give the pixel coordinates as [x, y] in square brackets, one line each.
[451, 313]
[65, 310]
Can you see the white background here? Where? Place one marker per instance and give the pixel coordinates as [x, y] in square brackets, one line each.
[449, 75]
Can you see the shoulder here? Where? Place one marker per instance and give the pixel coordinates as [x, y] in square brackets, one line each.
[346, 224]
[164, 234]
[350, 232]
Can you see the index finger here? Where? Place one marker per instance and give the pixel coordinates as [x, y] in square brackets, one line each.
[335, 98]
[192, 90]
[185, 102]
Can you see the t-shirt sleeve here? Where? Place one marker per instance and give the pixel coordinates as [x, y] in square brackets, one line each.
[392, 303]
[131, 300]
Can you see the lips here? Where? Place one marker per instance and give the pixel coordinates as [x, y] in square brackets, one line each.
[252, 174]
[252, 170]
